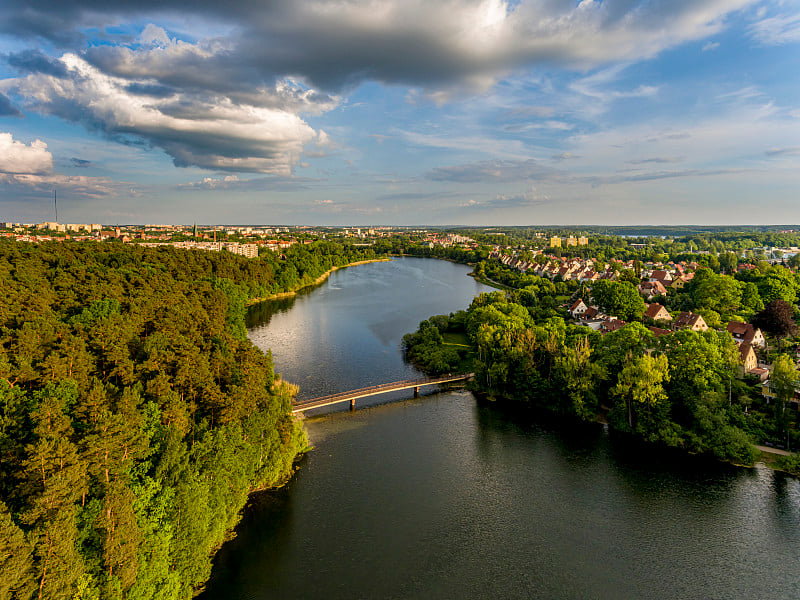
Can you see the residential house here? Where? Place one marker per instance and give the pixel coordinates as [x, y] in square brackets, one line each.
[591, 313]
[651, 289]
[760, 372]
[658, 332]
[578, 309]
[690, 320]
[611, 325]
[678, 283]
[664, 277]
[747, 357]
[745, 332]
[657, 312]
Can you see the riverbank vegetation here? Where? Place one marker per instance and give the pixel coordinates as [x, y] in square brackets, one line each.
[682, 388]
[135, 416]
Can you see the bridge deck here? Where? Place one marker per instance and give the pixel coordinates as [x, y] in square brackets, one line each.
[352, 395]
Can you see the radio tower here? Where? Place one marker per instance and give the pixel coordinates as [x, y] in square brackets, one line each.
[55, 204]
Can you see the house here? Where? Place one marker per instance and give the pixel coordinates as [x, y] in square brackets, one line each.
[769, 393]
[591, 313]
[651, 289]
[677, 283]
[661, 276]
[690, 320]
[658, 332]
[760, 372]
[578, 308]
[657, 312]
[611, 325]
[747, 357]
[745, 332]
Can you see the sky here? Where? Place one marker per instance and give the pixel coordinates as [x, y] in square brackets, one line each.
[401, 112]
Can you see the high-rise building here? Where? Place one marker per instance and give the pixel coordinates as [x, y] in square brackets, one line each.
[555, 242]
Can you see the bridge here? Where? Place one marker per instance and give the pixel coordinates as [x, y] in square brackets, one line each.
[353, 395]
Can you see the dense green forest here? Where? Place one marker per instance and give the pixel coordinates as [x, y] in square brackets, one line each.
[135, 416]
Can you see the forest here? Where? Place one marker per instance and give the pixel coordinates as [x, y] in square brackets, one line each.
[135, 415]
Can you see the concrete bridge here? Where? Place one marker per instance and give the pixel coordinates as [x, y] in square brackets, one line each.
[353, 395]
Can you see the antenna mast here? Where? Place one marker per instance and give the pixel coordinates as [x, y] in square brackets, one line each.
[55, 204]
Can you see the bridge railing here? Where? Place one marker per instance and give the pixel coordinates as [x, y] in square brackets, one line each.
[381, 388]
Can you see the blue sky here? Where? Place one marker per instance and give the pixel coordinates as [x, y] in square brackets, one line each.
[401, 111]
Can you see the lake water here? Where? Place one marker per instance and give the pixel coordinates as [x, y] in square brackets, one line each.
[444, 497]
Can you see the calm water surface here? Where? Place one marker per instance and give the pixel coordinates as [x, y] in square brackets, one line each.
[441, 497]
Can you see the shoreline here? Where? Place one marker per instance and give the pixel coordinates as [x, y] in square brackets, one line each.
[317, 281]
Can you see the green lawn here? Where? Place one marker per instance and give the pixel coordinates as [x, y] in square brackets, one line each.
[456, 339]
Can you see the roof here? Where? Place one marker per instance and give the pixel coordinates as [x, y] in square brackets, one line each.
[609, 326]
[653, 310]
[577, 303]
[737, 328]
[687, 319]
[658, 332]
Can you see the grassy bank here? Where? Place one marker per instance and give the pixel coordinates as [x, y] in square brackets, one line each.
[317, 281]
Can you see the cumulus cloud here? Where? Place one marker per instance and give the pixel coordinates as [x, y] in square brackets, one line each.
[29, 167]
[17, 158]
[81, 185]
[195, 130]
[436, 45]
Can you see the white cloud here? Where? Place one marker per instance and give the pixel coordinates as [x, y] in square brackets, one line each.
[81, 185]
[777, 30]
[710, 46]
[212, 133]
[154, 35]
[18, 158]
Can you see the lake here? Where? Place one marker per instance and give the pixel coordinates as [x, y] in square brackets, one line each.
[446, 497]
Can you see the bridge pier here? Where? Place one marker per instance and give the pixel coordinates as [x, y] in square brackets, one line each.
[352, 403]
[416, 392]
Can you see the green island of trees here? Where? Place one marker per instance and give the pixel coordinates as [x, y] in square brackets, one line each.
[135, 415]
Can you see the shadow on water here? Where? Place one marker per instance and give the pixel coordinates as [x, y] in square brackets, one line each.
[578, 441]
[260, 314]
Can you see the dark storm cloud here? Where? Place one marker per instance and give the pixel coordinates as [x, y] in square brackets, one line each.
[34, 61]
[150, 89]
[7, 109]
[466, 43]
